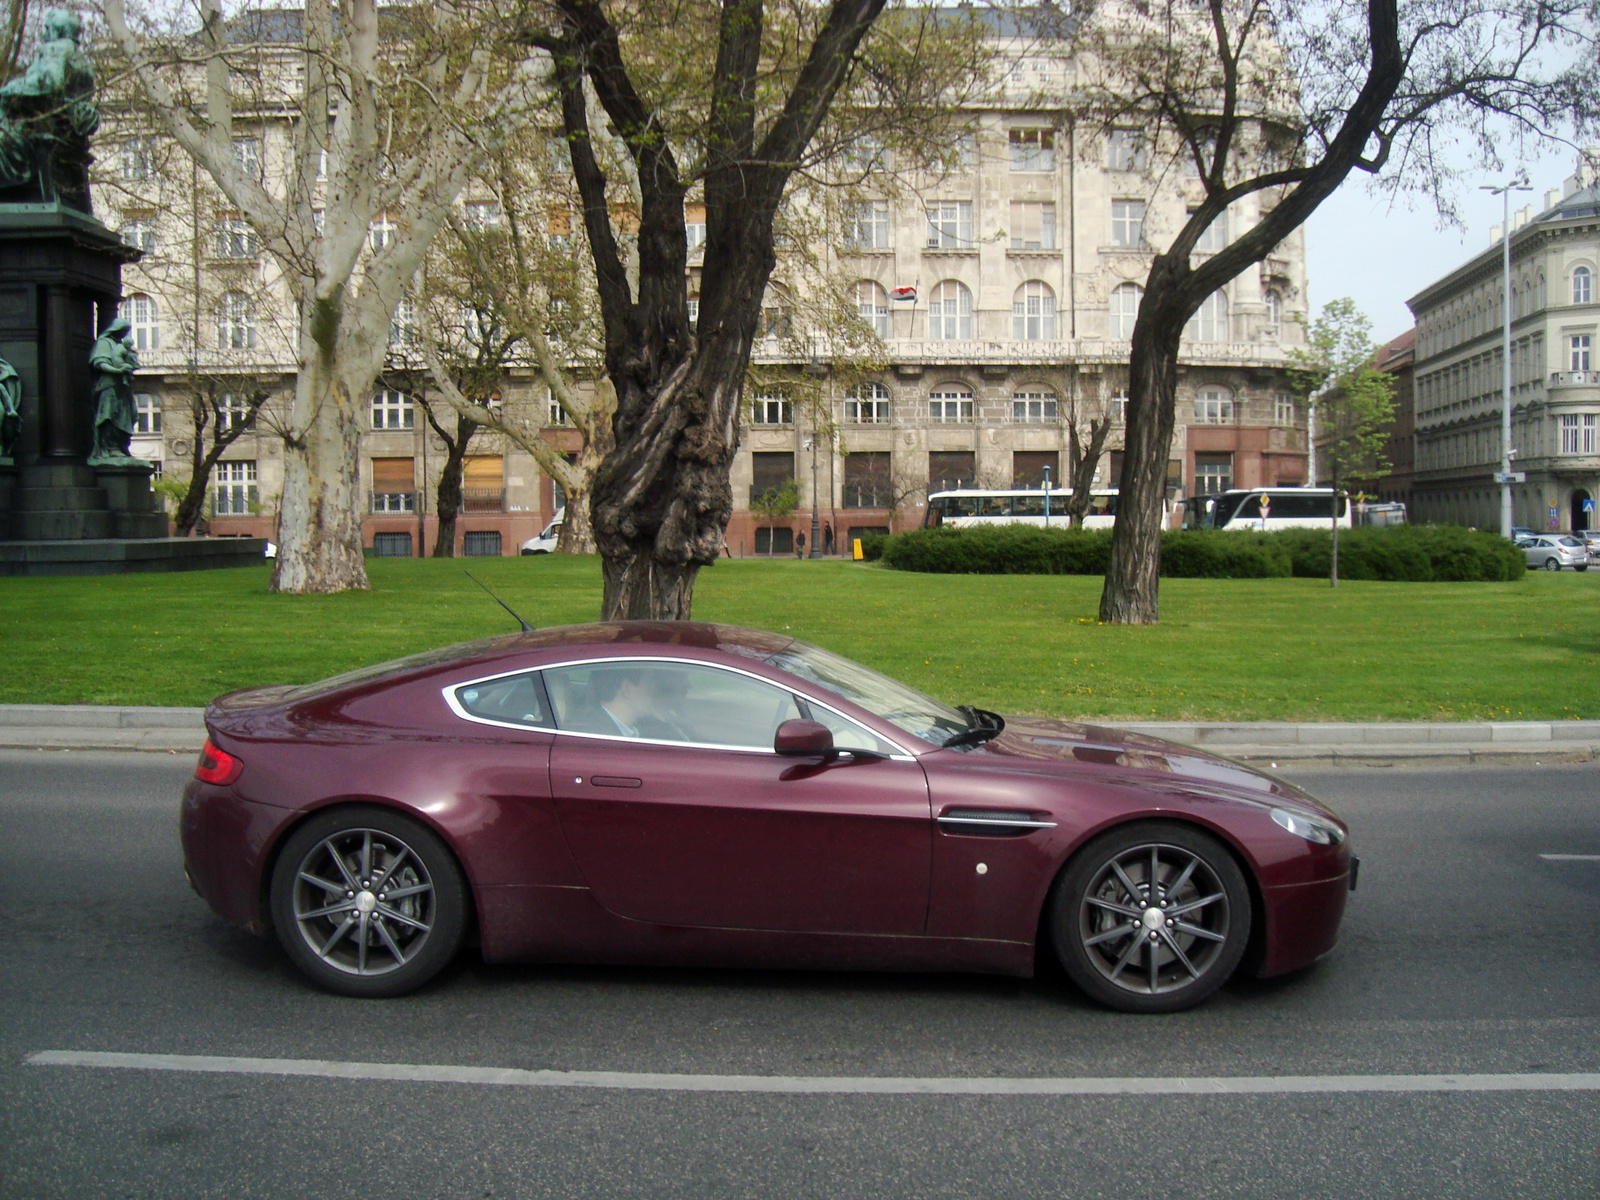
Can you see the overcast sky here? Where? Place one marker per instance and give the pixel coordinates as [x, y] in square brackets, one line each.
[1381, 255]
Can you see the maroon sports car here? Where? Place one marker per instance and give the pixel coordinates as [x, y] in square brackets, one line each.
[685, 793]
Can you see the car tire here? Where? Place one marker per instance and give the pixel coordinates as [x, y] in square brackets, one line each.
[1552, 564]
[334, 913]
[1581, 567]
[1129, 954]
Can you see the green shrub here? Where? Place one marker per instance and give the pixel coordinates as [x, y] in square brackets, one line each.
[872, 546]
[1406, 553]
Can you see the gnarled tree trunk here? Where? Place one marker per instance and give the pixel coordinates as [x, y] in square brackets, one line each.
[319, 521]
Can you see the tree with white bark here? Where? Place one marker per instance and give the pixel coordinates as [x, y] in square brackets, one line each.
[389, 113]
[1281, 104]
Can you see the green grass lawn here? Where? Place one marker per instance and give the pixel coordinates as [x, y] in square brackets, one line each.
[1280, 649]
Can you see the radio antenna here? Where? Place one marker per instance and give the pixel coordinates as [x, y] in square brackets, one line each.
[526, 628]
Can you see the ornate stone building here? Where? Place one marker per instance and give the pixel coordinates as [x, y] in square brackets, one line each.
[1555, 376]
[1021, 267]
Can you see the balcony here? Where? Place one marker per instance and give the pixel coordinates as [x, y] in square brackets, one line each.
[394, 503]
[483, 500]
[1573, 379]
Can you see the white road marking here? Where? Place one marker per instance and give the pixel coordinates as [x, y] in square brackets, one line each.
[1570, 857]
[1220, 1085]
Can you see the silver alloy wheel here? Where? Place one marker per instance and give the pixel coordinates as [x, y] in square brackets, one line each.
[363, 902]
[1552, 564]
[1154, 919]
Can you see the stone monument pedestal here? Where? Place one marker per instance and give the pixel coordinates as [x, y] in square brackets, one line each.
[60, 278]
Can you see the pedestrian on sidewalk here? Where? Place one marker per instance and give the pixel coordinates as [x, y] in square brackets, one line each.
[799, 545]
[827, 538]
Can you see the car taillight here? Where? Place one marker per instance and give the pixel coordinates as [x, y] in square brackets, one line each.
[217, 766]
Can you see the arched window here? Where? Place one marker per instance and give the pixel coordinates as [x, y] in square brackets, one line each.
[1213, 406]
[1582, 285]
[1210, 324]
[950, 312]
[140, 311]
[950, 402]
[1033, 312]
[1274, 303]
[1033, 406]
[872, 303]
[1125, 301]
[236, 322]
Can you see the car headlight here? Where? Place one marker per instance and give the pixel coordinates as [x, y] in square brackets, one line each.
[1309, 828]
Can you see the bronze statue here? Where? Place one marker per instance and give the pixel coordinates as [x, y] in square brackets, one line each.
[46, 117]
[10, 411]
[114, 361]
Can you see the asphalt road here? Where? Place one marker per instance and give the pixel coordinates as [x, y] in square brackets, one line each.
[1464, 951]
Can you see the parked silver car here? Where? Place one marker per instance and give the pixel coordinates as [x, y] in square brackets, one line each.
[1552, 551]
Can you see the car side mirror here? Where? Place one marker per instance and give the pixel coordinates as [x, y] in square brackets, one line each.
[803, 739]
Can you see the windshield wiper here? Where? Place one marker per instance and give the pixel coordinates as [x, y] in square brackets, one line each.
[981, 726]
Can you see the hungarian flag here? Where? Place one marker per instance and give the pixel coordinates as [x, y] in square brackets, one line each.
[903, 293]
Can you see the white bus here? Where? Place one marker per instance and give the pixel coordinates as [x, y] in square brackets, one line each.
[1266, 509]
[1017, 506]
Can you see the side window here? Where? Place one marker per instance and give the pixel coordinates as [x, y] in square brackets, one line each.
[669, 702]
[847, 735]
[518, 699]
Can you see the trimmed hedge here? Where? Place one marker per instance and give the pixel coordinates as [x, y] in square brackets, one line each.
[1405, 553]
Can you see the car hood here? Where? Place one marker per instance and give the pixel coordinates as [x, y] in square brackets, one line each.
[1047, 740]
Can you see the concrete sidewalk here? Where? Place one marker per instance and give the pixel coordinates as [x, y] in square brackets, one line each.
[1268, 743]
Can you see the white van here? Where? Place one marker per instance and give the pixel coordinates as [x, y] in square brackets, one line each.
[545, 543]
[1266, 509]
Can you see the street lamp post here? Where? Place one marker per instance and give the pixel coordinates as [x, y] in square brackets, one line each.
[816, 533]
[1519, 184]
[1047, 496]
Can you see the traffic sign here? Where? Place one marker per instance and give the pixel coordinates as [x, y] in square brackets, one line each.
[1511, 477]
[1588, 506]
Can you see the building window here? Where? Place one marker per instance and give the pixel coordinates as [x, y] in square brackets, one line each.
[771, 471]
[1033, 149]
[1033, 226]
[951, 403]
[872, 303]
[694, 310]
[867, 404]
[1213, 473]
[951, 469]
[1033, 407]
[1582, 285]
[247, 155]
[777, 318]
[483, 483]
[950, 312]
[1125, 301]
[1033, 312]
[481, 543]
[391, 545]
[233, 412]
[1119, 408]
[1578, 347]
[1274, 303]
[234, 239]
[381, 232]
[234, 492]
[1569, 433]
[555, 414]
[558, 228]
[140, 311]
[1282, 408]
[1125, 150]
[236, 322]
[146, 414]
[138, 158]
[1213, 406]
[1127, 222]
[403, 325]
[950, 225]
[139, 232]
[1210, 324]
[772, 410]
[867, 480]
[394, 485]
[1588, 433]
[867, 225]
[1028, 468]
[1214, 237]
[481, 216]
[866, 153]
[392, 409]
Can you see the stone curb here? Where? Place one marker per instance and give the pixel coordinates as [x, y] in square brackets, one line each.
[1266, 743]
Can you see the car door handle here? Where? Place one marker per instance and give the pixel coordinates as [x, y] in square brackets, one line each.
[616, 781]
[992, 822]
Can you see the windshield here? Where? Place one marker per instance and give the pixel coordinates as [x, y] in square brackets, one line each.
[906, 708]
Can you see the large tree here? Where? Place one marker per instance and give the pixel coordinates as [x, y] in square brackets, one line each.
[1283, 103]
[729, 98]
[387, 115]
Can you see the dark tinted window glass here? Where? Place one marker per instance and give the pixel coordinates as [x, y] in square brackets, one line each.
[517, 698]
